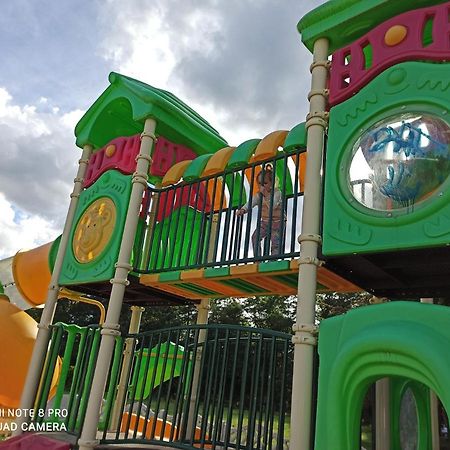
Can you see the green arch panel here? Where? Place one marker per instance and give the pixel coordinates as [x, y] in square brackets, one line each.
[399, 339]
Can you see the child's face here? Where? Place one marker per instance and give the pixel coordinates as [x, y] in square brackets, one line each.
[266, 184]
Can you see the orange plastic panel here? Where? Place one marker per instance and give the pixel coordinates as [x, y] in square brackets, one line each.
[218, 161]
[268, 146]
[218, 193]
[32, 274]
[174, 174]
[302, 171]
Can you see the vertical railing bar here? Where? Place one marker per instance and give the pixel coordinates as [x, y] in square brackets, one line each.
[254, 394]
[156, 193]
[219, 226]
[205, 251]
[240, 221]
[268, 420]
[83, 347]
[294, 206]
[260, 392]
[221, 389]
[249, 213]
[160, 387]
[152, 384]
[163, 217]
[228, 213]
[87, 379]
[201, 382]
[257, 247]
[171, 377]
[233, 378]
[283, 218]
[243, 390]
[209, 385]
[188, 390]
[169, 247]
[180, 390]
[194, 221]
[132, 378]
[145, 346]
[268, 239]
[179, 263]
[112, 384]
[49, 368]
[201, 240]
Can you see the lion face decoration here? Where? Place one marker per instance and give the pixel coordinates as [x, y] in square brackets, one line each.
[94, 230]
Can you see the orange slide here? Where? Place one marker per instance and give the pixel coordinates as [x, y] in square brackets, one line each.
[24, 282]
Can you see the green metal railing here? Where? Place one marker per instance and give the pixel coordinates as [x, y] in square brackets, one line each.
[71, 357]
[194, 223]
[206, 387]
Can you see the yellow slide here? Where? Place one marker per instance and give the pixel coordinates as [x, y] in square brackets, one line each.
[24, 283]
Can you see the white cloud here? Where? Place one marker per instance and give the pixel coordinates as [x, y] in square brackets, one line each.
[38, 164]
[21, 231]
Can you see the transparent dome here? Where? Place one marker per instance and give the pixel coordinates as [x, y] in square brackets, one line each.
[400, 161]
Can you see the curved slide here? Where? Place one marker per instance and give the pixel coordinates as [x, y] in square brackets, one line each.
[24, 282]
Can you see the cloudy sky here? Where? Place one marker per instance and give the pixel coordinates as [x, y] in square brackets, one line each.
[239, 63]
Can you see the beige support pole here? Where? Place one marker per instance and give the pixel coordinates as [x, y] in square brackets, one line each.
[135, 323]
[110, 328]
[382, 415]
[434, 413]
[41, 344]
[202, 318]
[304, 339]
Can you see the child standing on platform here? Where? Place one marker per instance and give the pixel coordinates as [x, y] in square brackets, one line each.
[272, 217]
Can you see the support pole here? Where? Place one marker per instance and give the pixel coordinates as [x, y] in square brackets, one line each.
[434, 413]
[382, 415]
[304, 339]
[110, 328]
[135, 323]
[202, 319]
[43, 336]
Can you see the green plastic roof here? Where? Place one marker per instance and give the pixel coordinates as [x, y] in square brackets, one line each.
[343, 21]
[123, 107]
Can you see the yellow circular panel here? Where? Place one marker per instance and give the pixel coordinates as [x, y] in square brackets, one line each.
[395, 35]
[94, 230]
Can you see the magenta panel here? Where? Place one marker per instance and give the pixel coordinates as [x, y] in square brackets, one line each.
[123, 158]
[349, 69]
[167, 154]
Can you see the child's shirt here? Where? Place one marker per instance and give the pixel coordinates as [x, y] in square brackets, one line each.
[267, 202]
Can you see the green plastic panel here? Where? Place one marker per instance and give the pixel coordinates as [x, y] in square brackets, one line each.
[53, 252]
[274, 266]
[344, 21]
[296, 138]
[242, 154]
[178, 245]
[163, 358]
[123, 107]
[170, 276]
[212, 272]
[196, 167]
[399, 339]
[116, 187]
[351, 228]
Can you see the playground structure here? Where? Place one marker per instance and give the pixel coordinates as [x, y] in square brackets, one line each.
[152, 220]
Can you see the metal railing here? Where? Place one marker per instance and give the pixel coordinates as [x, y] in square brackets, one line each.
[195, 223]
[71, 360]
[206, 387]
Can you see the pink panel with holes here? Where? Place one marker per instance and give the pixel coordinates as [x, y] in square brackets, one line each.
[123, 158]
[348, 68]
[167, 154]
